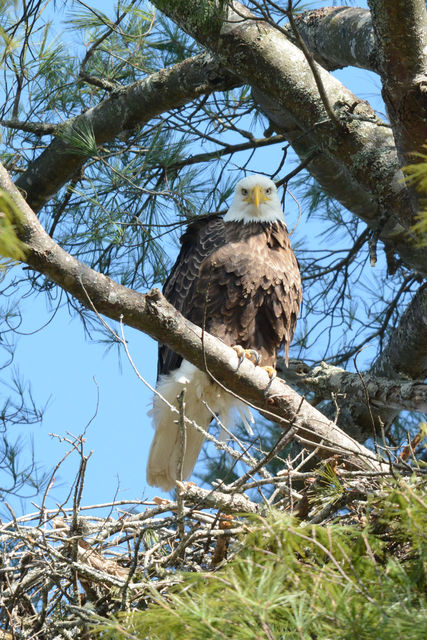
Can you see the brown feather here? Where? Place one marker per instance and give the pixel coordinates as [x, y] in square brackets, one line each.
[241, 282]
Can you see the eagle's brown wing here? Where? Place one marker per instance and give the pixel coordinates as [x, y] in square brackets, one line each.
[249, 289]
[240, 282]
[201, 238]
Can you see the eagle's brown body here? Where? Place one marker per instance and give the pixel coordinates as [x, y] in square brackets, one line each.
[241, 282]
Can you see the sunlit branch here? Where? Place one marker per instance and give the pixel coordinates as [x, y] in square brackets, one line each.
[325, 379]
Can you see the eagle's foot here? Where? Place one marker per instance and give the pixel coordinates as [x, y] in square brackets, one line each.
[272, 373]
[250, 354]
[253, 356]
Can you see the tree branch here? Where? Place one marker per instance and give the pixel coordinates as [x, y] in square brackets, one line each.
[123, 110]
[228, 503]
[39, 128]
[401, 33]
[228, 149]
[363, 203]
[406, 352]
[338, 37]
[395, 378]
[325, 379]
[152, 314]
[363, 156]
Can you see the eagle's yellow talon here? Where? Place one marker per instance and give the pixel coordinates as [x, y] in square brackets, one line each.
[272, 373]
[253, 356]
[240, 352]
[250, 354]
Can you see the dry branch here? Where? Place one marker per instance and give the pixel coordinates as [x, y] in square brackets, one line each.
[401, 34]
[125, 559]
[234, 503]
[325, 379]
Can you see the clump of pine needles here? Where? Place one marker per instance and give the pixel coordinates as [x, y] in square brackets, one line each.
[291, 579]
[416, 174]
[11, 247]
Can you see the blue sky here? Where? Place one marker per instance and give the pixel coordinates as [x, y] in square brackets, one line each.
[62, 365]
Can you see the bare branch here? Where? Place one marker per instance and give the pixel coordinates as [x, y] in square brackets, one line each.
[401, 33]
[233, 503]
[39, 128]
[314, 69]
[338, 37]
[228, 149]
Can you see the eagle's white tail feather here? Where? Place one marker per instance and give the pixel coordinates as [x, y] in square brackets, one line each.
[202, 397]
[247, 418]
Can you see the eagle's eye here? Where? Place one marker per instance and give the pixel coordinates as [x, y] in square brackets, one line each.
[268, 191]
[244, 192]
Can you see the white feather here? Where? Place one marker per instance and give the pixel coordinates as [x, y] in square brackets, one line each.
[202, 398]
[244, 210]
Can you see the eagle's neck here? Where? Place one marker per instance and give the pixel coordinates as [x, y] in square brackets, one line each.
[265, 214]
[273, 234]
[257, 226]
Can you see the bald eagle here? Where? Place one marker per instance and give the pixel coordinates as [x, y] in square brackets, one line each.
[237, 277]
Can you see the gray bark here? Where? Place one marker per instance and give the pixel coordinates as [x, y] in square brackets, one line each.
[401, 33]
[381, 393]
[338, 37]
[406, 353]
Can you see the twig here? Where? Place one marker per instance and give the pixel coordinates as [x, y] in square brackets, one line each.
[280, 444]
[312, 64]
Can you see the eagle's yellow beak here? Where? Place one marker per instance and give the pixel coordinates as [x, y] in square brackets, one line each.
[258, 196]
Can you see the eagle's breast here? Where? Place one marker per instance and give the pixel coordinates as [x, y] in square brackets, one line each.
[250, 288]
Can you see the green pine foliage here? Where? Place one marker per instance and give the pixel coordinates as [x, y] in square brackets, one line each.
[364, 579]
[11, 247]
[416, 174]
[80, 139]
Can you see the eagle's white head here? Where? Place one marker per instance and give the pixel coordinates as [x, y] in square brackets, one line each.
[255, 200]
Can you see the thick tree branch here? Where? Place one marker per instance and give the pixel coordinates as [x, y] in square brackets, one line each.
[338, 37]
[123, 110]
[406, 352]
[362, 156]
[325, 379]
[394, 378]
[152, 314]
[401, 33]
